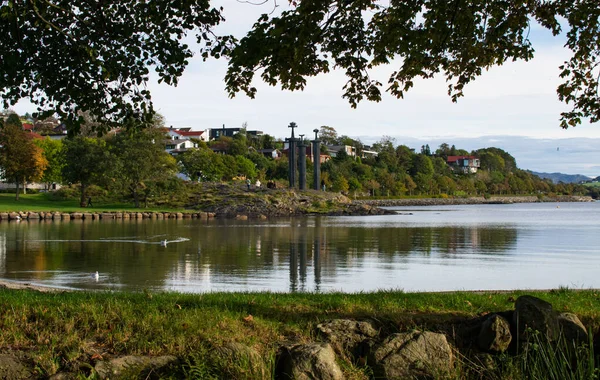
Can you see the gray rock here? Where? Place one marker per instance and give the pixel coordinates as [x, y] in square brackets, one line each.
[12, 368]
[132, 366]
[348, 336]
[252, 361]
[495, 334]
[33, 215]
[532, 312]
[571, 328]
[413, 355]
[308, 362]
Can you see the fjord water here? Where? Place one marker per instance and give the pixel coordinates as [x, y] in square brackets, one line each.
[520, 246]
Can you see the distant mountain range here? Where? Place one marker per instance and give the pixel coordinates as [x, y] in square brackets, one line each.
[564, 178]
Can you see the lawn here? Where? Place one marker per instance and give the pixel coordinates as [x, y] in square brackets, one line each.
[43, 202]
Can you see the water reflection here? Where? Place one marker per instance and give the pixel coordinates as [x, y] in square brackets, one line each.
[300, 254]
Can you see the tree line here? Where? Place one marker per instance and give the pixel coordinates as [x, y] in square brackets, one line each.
[133, 165]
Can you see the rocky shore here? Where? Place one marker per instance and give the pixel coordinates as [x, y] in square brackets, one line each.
[231, 202]
[471, 200]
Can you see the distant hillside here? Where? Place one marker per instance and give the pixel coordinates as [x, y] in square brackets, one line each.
[564, 178]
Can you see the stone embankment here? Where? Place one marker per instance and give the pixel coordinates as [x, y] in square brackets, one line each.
[66, 216]
[470, 200]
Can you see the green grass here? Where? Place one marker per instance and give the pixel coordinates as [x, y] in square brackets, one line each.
[42, 202]
[59, 330]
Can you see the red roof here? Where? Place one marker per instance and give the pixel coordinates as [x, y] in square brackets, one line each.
[28, 127]
[190, 133]
[456, 158]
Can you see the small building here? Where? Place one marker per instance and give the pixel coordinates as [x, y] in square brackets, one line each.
[463, 164]
[270, 153]
[178, 146]
[335, 149]
[216, 133]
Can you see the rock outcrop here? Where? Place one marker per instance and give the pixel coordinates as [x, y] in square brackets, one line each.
[414, 354]
[308, 362]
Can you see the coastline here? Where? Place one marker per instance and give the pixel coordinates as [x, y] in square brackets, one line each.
[471, 200]
[293, 204]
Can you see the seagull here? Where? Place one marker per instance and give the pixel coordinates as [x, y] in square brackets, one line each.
[163, 243]
[97, 276]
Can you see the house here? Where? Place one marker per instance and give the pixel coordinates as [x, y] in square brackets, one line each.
[463, 164]
[270, 153]
[178, 146]
[335, 149]
[181, 139]
[215, 134]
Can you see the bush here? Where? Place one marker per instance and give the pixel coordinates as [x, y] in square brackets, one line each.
[487, 196]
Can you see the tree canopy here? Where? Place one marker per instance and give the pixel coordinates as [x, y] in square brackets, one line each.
[79, 56]
[456, 39]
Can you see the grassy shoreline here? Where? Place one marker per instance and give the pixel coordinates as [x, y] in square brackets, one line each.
[60, 330]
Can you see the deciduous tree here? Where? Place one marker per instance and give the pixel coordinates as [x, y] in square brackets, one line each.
[52, 152]
[21, 160]
[87, 161]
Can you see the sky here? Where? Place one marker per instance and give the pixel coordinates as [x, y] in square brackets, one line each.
[513, 107]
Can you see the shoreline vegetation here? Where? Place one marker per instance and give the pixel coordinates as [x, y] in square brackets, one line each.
[125, 335]
[234, 202]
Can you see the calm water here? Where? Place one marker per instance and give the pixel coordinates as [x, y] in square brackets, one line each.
[421, 248]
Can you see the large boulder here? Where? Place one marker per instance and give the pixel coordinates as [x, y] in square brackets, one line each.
[571, 329]
[413, 355]
[253, 363]
[537, 315]
[12, 368]
[348, 336]
[308, 362]
[130, 367]
[494, 335]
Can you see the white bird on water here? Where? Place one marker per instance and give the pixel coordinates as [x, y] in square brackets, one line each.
[97, 276]
[163, 243]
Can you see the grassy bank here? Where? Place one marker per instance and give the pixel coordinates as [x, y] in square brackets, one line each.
[59, 331]
[43, 202]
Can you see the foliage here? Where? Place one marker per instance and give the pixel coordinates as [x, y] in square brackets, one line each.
[456, 39]
[202, 165]
[79, 56]
[140, 162]
[52, 152]
[87, 162]
[21, 160]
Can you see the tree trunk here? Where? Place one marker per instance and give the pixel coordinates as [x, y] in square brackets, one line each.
[136, 199]
[24, 187]
[17, 182]
[82, 200]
